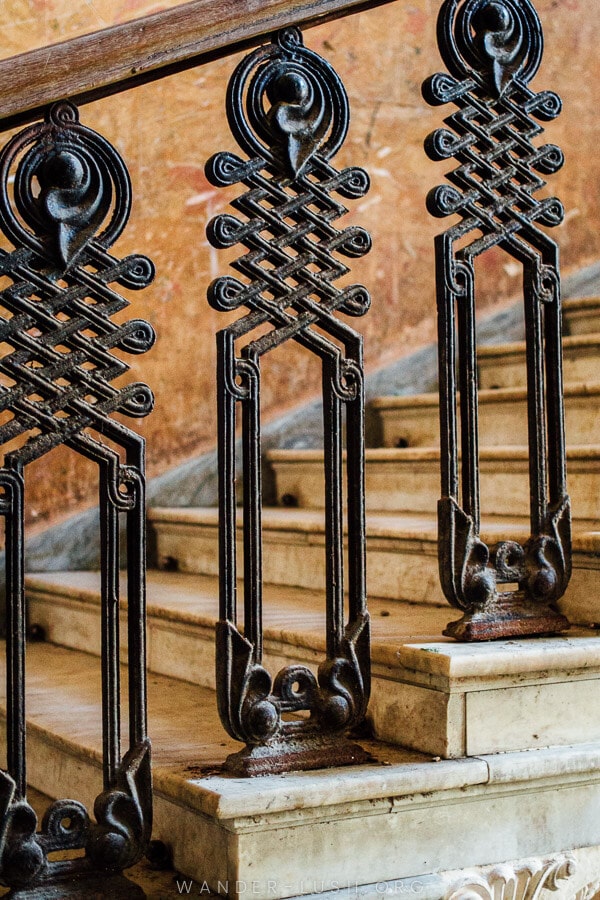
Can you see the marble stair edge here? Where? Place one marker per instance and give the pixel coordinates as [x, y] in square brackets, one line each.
[285, 833]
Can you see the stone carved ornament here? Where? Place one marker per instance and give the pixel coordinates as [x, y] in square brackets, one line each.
[589, 892]
[521, 881]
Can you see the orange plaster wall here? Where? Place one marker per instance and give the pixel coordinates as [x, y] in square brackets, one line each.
[167, 130]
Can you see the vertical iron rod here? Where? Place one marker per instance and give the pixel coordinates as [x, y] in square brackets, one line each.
[557, 481]
[446, 372]
[469, 425]
[226, 466]
[536, 402]
[136, 600]
[334, 532]
[109, 555]
[15, 635]
[355, 463]
[252, 513]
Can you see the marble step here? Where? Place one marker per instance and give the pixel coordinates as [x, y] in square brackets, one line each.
[412, 420]
[503, 365]
[581, 315]
[486, 698]
[283, 834]
[408, 479]
[402, 552]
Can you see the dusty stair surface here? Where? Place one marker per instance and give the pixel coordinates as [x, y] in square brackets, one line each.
[503, 365]
[401, 552]
[412, 420]
[282, 834]
[428, 693]
[407, 480]
[581, 315]
[497, 745]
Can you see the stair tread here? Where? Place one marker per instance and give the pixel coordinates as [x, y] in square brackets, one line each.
[410, 526]
[290, 613]
[189, 744]
[488, 395]
[399, 629]
[379, 803]
[578, 302]
[424, 454]
[570, 341]
[68, 705]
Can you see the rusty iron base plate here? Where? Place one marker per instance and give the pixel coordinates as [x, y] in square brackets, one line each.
[512, 616]
[315, 752]
[117, 887]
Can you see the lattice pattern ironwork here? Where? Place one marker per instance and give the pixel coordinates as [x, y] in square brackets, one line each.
[288, 111]
[493, 48]
[70, 201]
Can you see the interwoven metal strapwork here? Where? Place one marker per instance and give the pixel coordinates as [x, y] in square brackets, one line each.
[493, 48]
[288, 111]
[69, 202]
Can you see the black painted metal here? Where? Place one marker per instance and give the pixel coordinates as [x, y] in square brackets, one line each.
[288, 111]
[493, 48]
[70, 202]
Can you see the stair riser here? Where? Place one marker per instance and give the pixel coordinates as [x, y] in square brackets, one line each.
[317, 847]
[500, 423]
[398, 568]
[186, 652]
[409, 707]
[585, 320]
[403, 570]
[507, 371]
[395, 486]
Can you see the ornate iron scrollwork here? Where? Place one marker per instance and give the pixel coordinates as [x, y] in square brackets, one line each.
[288, 111]
[70, 202]
[493, 48]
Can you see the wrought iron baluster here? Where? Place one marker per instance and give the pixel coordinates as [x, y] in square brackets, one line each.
[493, 48]
[70, 202]
[288, 111]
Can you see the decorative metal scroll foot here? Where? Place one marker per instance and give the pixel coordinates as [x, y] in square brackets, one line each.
[288, 111]
[510, 615]
[70, 202]
[308, 752]
[493, 48]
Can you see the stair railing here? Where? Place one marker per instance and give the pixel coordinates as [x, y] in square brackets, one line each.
[493, 48]
[288, 111]
[70, 202]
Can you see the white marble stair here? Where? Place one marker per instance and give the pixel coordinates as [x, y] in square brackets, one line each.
[183, 609]
[285, 834]
[413, 420]
[581, 315]
[503, 365]
[401, 552]
[408, 479]
[429, 693]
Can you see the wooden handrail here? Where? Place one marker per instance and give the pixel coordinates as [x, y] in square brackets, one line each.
[124, 56]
